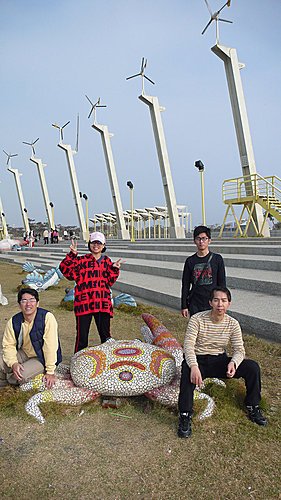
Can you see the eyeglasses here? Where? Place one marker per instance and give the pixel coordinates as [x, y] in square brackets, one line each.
[96, 242]
[25, 301]
[201, 239]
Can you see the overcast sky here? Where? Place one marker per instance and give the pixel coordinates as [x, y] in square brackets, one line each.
[54, 52]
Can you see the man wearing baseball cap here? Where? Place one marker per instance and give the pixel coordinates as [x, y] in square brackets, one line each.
[94, 274]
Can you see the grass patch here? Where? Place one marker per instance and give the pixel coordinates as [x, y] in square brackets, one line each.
[138, 310]
[133, 451]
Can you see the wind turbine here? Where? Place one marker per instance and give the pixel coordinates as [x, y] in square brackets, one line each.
[40, 168]
[17, 175]
[122, 232]
[9, 156]
[94, 106]
[142, 74]
[176, 231]
[237, 99]
[73, 177]
[32, 145]
[215, 17]
[60, 129]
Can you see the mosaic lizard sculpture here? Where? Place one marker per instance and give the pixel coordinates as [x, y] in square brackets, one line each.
[119, 368]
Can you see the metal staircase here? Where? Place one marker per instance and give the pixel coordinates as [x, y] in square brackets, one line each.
[247, 191]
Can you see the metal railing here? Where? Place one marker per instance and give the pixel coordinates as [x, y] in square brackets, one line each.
[252, 186]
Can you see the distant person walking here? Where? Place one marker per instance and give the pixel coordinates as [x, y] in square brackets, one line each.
[46, 236]
[94, 274]
[202, 272]
[55, 236]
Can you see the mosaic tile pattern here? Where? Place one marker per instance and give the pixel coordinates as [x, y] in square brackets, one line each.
[120, 368]
[63, 391]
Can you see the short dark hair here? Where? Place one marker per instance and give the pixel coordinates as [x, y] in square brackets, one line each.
[221, 289]
[201, 229]
[89, 248]
[31, 291]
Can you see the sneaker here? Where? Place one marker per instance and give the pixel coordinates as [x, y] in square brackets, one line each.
[184, 429]
[255, 414]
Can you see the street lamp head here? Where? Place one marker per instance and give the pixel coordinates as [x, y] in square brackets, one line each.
[130, 185]
[200, 165]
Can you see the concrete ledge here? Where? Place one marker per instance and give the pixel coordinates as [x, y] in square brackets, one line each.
[258, 327]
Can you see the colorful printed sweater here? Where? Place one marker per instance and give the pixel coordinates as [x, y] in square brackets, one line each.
[93, 281]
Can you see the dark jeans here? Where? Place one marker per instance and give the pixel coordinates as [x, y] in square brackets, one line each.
[194, 308]
[83, 323]
[216, 366]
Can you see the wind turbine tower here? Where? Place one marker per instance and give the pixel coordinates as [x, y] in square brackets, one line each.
[17, 175]
[176, 230]
[40, 168]
[122, 232]
[73, 177]
[4, 227]
[232, 69]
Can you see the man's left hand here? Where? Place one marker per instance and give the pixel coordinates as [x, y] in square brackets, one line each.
[230, 370]
[49, 380]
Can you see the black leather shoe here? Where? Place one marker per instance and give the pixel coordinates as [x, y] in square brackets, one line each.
[184, 429]
[255, 414]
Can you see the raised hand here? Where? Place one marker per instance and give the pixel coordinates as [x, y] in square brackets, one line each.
[118, 263]
[73, 247]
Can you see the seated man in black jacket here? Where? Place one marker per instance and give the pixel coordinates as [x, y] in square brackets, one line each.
[202, 272]
[30, 343]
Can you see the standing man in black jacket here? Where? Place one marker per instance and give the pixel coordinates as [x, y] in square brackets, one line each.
[202, 272]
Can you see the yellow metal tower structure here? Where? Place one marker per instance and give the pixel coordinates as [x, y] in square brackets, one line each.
[265, 191]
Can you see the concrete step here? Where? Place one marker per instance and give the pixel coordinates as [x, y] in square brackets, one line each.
[152, 272]
[263, 262]
[255, 262]
[256, 280]
[245, 279]
[255, 312]
[184, 246]
[265, 250]
[170, 243]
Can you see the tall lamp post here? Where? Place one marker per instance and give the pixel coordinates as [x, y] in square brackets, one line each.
[199, 164]
[53, 214]
[83, 195]
[131, 187]
[87, 213]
